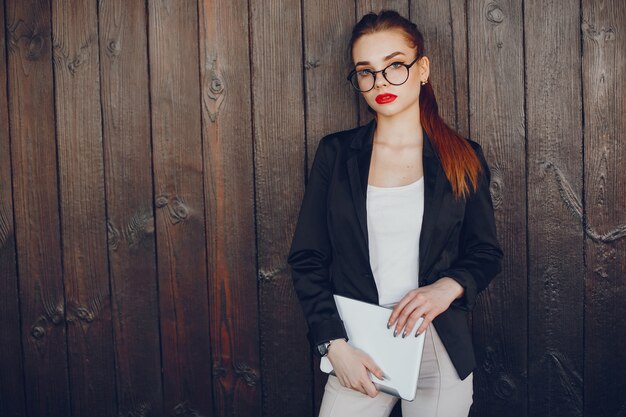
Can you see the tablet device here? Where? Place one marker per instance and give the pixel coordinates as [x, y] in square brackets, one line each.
[399, 358]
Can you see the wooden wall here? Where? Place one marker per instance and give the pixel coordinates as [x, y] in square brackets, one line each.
[153, 157]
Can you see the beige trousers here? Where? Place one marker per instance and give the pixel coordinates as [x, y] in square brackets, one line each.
[440, 391]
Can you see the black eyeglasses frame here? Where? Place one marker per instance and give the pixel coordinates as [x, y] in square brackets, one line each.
[408, 67]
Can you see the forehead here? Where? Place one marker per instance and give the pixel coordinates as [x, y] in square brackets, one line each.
[374, 47]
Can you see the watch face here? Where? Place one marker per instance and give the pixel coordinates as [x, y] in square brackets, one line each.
[322, 348]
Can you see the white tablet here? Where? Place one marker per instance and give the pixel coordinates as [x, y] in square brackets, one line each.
[399, 358]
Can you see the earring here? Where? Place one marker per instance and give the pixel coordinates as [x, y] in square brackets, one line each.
[424, 82]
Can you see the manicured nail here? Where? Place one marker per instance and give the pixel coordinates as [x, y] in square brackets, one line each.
[417, 334]
[395, 332]
[388, 325]
[404, 334]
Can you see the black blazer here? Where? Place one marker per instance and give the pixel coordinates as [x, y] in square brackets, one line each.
[330, 254]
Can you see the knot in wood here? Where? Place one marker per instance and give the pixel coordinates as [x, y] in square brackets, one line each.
[494, 13]
[38, 332]
[504, 387]
[35, 47]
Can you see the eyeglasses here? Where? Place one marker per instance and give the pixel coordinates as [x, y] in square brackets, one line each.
[395, 73]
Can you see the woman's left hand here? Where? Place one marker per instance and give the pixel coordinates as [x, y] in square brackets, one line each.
[428, 301]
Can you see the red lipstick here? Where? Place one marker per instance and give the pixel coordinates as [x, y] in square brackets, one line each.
[385, 98]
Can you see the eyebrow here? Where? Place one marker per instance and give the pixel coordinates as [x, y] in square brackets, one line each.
[386, 58]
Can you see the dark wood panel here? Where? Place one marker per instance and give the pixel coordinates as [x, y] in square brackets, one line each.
[12, 400]
[555, 234]
[229, 199]
[83, 211]
[37, 218]
[496, 92]
[130, 223]
[329, 99]
[279, 147]
[180, 218]
[440, 23]
[604, 73]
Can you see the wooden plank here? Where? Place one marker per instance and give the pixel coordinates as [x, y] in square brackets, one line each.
[279, 139]
[83, 212]
[128, 169]
[330, 107]
[229, 201]
[496, 82]
[440, 25]
[12, 399]
[555, 233]
[362, 8]
[603, 72]
[178, 185]
[37, 218]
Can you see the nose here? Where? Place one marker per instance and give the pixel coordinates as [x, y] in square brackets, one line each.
[379, 79]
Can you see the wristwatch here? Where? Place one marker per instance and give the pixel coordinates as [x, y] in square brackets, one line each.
[323, 348]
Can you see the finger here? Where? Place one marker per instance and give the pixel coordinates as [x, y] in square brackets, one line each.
[372, 367]
[400, 306]
[415, 318]
[422, 328]
[419, 302]
[369, 387]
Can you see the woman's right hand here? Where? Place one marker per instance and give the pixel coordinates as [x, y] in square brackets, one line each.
[351, 367]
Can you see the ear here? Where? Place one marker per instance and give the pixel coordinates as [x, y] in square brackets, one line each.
[424, 66]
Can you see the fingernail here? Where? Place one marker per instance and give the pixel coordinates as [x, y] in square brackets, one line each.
[395, 332]
[403, 334]
[388, 325]
[417, 334]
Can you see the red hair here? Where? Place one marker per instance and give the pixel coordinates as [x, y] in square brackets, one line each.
[458, 159]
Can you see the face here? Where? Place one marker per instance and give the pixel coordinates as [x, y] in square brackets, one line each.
[375, 52]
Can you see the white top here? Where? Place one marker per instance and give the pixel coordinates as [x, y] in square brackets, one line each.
[394, 222]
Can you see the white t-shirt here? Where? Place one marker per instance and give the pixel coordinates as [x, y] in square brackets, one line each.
[394, 222]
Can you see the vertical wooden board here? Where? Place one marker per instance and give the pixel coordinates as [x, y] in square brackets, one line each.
[555, 234]
[362, 8]
[604, 71]
[330, 107]
[37, 219]
[178, 184]
[279, 132]
[496, 81]
[128, 169]
[229, 200]
[12, 377]
[437, 25]
[83, 213]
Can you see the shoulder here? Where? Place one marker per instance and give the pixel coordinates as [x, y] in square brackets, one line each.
[338, 141]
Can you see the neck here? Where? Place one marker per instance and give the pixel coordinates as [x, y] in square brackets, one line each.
[400, 129]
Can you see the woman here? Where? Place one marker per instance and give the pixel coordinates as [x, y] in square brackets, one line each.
[396, 212]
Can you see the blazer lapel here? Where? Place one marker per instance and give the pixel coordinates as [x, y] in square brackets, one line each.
[434, 177]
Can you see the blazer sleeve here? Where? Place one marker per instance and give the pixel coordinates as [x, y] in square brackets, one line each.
[480, 254]
[310, 257]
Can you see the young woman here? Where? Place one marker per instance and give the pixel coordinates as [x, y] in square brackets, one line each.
[396, 212]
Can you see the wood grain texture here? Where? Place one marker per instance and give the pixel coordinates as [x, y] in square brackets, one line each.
[180, 216]
[130, 223]
[555, 235]
[36, 207]
[329, 102]
[604, 203]
[83, 211]
[229, 199]
[496, 92]
[279, 146]
[12, 398]
[441, 24]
